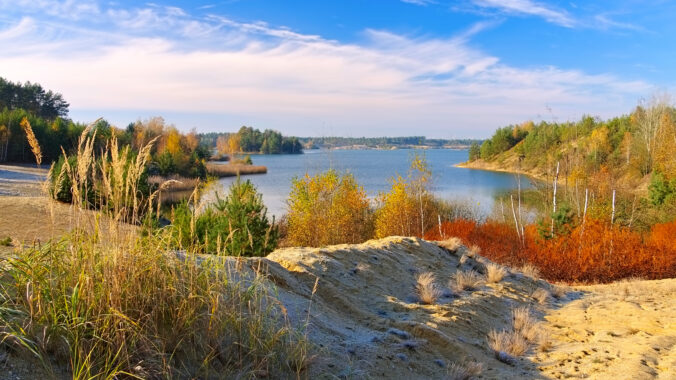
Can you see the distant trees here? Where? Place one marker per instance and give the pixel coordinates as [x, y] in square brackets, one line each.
[251, 140]
[648, 119]
[32, 98]
[474, 151]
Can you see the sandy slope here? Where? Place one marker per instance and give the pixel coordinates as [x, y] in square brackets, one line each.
[625, 330]
[368, 324]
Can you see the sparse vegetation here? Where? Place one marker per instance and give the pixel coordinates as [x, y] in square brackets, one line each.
[427, 289]
[540, 295]
[466, 280]
[466, 371]
[495, 273]
[6, 242]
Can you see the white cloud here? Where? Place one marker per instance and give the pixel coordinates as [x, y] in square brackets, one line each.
[278, 78]
[531, 8]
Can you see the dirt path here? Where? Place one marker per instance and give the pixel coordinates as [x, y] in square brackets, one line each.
[625, 330]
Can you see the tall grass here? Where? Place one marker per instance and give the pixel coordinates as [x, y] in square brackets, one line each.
[111, 303]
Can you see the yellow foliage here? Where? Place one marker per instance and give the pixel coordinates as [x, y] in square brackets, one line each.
[173, 144]
[328, 208]
[408, 208]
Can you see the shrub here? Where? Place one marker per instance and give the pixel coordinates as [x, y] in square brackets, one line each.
[6, 242]
[237, 225]
[328, 208]
[427, 288]
[409, 208]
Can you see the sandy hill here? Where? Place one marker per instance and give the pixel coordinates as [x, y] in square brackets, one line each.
[367, 322]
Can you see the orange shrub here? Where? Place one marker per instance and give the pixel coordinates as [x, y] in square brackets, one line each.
[595, 253]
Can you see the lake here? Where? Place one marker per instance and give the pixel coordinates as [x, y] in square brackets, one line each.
[373, 169]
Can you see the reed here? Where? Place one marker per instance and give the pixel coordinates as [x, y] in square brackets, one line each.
[113, 303]
[233, 170]
[32, 141]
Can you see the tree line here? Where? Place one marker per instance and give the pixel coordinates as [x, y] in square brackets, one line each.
[252, 140]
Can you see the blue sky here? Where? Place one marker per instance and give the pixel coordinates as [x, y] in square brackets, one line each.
[445, 69]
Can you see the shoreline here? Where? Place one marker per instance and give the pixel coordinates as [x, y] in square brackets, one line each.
[485, 166]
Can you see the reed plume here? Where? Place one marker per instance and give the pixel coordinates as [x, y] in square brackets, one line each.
[32, 141]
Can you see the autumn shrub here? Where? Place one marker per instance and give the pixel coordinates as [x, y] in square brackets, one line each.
[328, 208]
[409, 208]
[591, 252]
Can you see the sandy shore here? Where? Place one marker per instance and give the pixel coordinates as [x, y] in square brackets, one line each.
[21, 180]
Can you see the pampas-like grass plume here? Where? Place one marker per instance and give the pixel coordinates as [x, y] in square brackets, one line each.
[32, 141]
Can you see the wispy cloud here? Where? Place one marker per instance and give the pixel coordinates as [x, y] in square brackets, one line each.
[603, 21]
[530, 8]
[154, 59]
[419, 2]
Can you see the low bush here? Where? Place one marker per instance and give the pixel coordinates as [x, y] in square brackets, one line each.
[328, 208]
[237, 225]
[590, 252]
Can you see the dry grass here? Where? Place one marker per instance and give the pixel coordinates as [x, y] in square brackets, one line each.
[495, 273]
[32, 141]
[175, 182]
[507, 342]
[473, 251]
[531, 271]
[466, 280]
[544, 341]
[110, 303]
[524, 324]
[540, 295]
[451, 244]
[232, 170]
[427, 289]
[559, 291]
[466, 371]
[463, 260]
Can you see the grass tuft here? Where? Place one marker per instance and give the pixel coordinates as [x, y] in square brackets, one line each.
[540, 295]
[495, 273]
[466, 371]
[427, 289]
[466, 280]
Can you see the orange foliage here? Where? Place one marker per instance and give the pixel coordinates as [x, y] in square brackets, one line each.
[597, 253]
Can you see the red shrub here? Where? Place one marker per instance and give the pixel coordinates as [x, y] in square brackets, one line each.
[595, 253]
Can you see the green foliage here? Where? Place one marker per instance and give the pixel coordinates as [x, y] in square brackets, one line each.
[6, 242]
[502, 140]
[660, 189]
[236, 225]
[474, 151]
[37, 101]
[252, 140]
[563, 220]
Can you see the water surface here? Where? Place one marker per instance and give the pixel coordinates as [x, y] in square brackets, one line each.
[373, 169]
